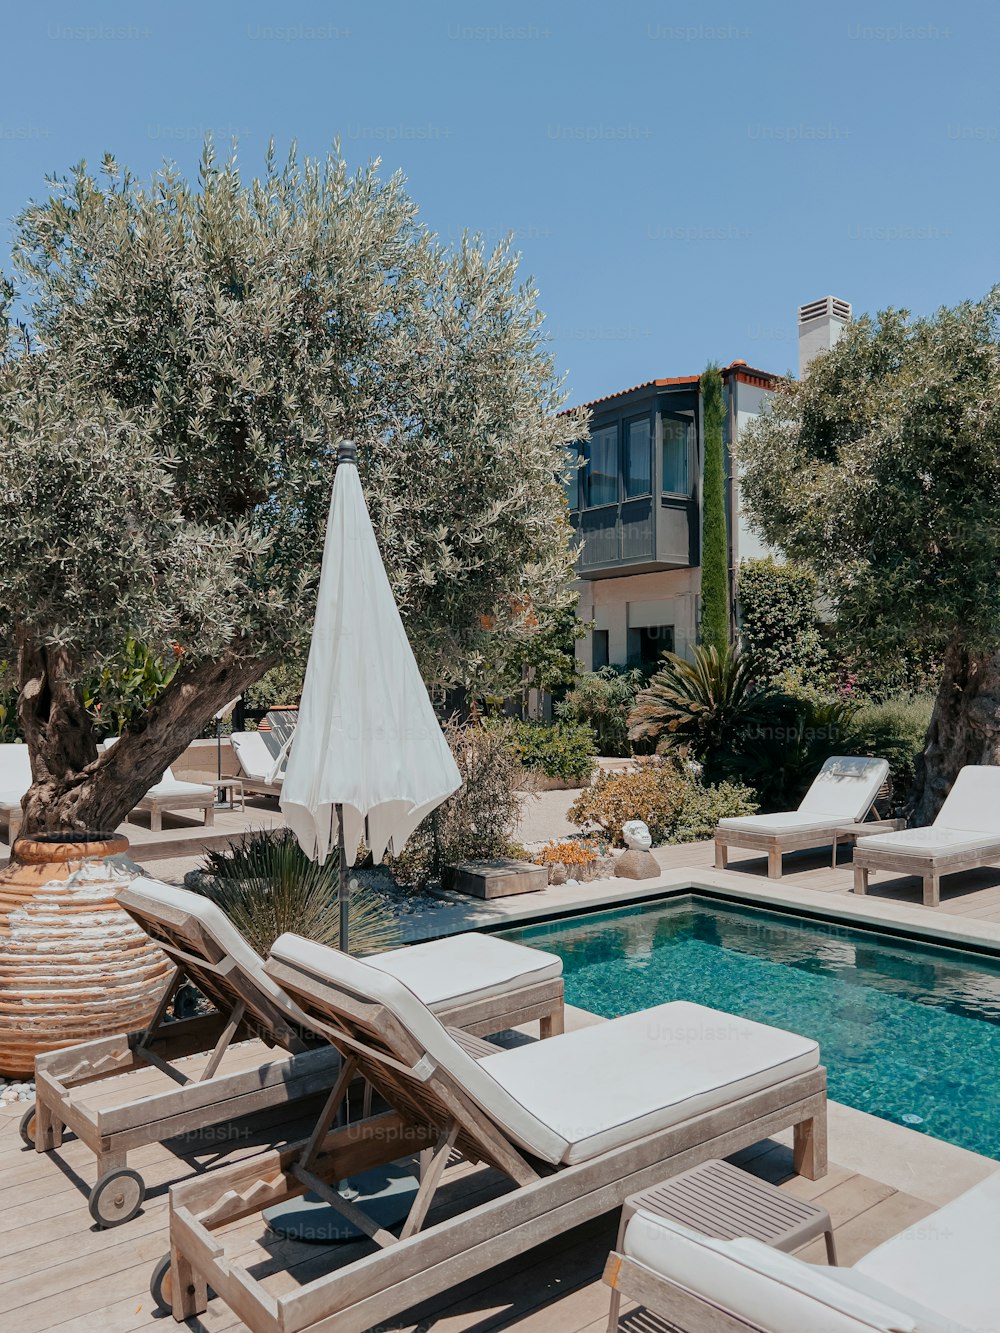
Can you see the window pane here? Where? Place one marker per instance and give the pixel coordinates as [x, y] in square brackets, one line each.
[676, 452]
[602, 487]
[571, 477]
[639, 459]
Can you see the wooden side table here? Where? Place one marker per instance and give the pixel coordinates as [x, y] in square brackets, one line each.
[234, 786]
[852, 832]
[723, 1202]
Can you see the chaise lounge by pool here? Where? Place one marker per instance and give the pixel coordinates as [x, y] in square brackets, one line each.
[908, 1030]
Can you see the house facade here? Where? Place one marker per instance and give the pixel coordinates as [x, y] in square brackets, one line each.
[635, 502]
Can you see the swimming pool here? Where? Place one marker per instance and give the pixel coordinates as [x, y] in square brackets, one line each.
[908, 1031]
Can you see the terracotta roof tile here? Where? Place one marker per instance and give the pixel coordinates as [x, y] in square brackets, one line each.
[747, 374]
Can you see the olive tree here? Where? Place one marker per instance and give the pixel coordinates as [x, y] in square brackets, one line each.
[881, 470]
[183, 362]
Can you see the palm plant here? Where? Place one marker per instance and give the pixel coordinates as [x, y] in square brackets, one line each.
[266, 885]
[703, 709]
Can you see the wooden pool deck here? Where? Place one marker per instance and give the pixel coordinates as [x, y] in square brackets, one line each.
[58, 1272]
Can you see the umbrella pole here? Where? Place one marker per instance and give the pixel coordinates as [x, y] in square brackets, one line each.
[344, 885]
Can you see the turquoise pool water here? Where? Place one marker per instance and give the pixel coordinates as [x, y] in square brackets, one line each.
[909, 1032]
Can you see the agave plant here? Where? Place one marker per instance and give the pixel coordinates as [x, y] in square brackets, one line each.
[702, 708]
[266, 885]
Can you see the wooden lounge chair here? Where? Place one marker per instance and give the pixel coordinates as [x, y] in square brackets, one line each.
[171, 794]
[576, 1123]
[938, 1276]
[184, 1076]
[964, 836]
[843, 793]
[15, 779]
[256, 764]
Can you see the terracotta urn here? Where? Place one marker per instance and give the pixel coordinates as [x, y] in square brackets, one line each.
[73, 964]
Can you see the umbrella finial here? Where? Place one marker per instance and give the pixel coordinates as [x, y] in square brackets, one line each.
[347, 452]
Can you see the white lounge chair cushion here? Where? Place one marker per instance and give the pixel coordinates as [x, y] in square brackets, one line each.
[442, 972]
[931, 841]
[608, 1084]
[170, 786]
[974, 801]
[153, 899]
[771, 1289]
[788, 821]
[949, 1261]
[254, 757]
[461, 968]
[845, 788]
[570, 1097]
[15, 773]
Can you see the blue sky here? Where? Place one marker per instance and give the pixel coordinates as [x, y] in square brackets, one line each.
[679, 177]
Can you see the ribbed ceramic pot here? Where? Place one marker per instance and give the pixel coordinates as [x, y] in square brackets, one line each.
[73, 964]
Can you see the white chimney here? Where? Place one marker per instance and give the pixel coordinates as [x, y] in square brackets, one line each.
[820, 325]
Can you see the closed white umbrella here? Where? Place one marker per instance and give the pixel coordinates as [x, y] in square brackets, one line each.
[369, 753]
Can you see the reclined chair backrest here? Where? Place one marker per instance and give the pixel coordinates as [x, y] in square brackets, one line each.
[201, 939]
[15, 770]
[768, 1288]
[973, 804]
[405, 1052]
[845, 787]
[254, 756]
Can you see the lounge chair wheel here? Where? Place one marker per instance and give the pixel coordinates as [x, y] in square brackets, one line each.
[117, 1197]
[27, 1126]
[160, 1286]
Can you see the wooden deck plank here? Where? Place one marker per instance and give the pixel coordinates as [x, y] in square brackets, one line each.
[974, 893]
[101, 1287]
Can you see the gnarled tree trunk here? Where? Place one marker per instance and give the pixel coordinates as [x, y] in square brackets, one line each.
[964, 727]
[78, 788]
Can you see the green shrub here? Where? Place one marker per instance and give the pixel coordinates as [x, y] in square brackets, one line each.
[718, 711]
[281, 685]
[703, 807]
[603, 700]
[780, 625]
[901, 671]
[780, 758]
[478, 821]
[896, 730]
[266, 885]
[564, 751]
[674, 804]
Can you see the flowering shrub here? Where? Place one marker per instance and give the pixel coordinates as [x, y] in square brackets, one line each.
[571, 852]
[672, 803]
